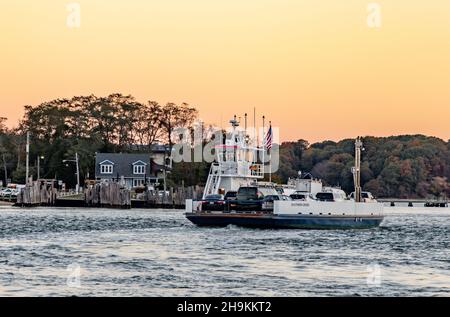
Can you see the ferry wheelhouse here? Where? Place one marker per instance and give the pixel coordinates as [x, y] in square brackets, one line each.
[236, 165]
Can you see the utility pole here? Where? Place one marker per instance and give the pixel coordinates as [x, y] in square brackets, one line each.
[6, 170]
[164, 176]
[38, 167]
[78, 172]
[76, 161]
[28, 158]
[40, 157]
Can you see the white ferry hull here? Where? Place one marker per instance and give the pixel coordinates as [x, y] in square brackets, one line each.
[283, 221]
[294, 215]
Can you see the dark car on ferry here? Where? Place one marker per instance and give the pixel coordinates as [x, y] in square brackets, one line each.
[251, 197]
[231, 195]
[213, 202]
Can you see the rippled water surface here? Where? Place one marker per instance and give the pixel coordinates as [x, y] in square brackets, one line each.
[159, 253]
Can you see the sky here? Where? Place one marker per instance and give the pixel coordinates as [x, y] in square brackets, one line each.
[316, 68]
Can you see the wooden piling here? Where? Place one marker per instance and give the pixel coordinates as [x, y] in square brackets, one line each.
[37, 193]
[108, 195]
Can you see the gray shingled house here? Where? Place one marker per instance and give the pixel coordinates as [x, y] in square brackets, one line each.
[135, 169]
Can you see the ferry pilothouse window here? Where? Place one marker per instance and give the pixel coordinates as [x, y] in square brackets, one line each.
[139, 169]
[106, 169]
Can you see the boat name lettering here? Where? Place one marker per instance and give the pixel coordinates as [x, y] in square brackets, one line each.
[300, 204]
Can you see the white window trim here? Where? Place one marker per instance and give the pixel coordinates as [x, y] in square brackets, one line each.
[139, 169]
[106, 169]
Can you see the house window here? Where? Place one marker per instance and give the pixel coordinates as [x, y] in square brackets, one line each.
[138, 182]
[139, 169]
[106, 169]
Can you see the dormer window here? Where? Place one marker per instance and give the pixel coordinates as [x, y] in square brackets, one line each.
[106, 167]
[139, 168]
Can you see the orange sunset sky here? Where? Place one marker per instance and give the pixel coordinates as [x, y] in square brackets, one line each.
[313, 67]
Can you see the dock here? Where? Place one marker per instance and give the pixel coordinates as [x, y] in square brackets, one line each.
[396, 202]
[106, 195]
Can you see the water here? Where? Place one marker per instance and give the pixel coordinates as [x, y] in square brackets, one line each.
[100, 252]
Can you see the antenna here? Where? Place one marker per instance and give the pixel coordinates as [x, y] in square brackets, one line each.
[245, 116]
[254, 125]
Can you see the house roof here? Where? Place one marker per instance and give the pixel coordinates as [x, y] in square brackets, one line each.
[139, 163]
[123, 163]
[155, 148]
[106, 162]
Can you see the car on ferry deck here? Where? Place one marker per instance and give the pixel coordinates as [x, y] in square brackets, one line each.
[331, 194]
[299, 195]
[213, 202]
[268, 201]
[366, 197]
[252, 197]
[231, 195]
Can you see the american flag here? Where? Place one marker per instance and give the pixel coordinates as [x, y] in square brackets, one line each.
[268, 139]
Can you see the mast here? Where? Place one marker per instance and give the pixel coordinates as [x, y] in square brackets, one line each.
[357, 169]
[270, 157]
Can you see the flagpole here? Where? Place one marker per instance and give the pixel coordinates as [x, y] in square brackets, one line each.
[263, 144]
[255, 142]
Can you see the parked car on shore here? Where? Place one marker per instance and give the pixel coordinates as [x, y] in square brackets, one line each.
[9, 192]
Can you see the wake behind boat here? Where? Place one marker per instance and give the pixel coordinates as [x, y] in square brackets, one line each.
[235, 195]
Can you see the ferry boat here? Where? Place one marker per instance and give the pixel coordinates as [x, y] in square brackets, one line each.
[237, 170]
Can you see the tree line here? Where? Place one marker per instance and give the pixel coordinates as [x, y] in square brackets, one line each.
[404, 166]
[85, 125]
[407, 166]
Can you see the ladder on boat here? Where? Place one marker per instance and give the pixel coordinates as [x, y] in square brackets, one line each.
[213, 182]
